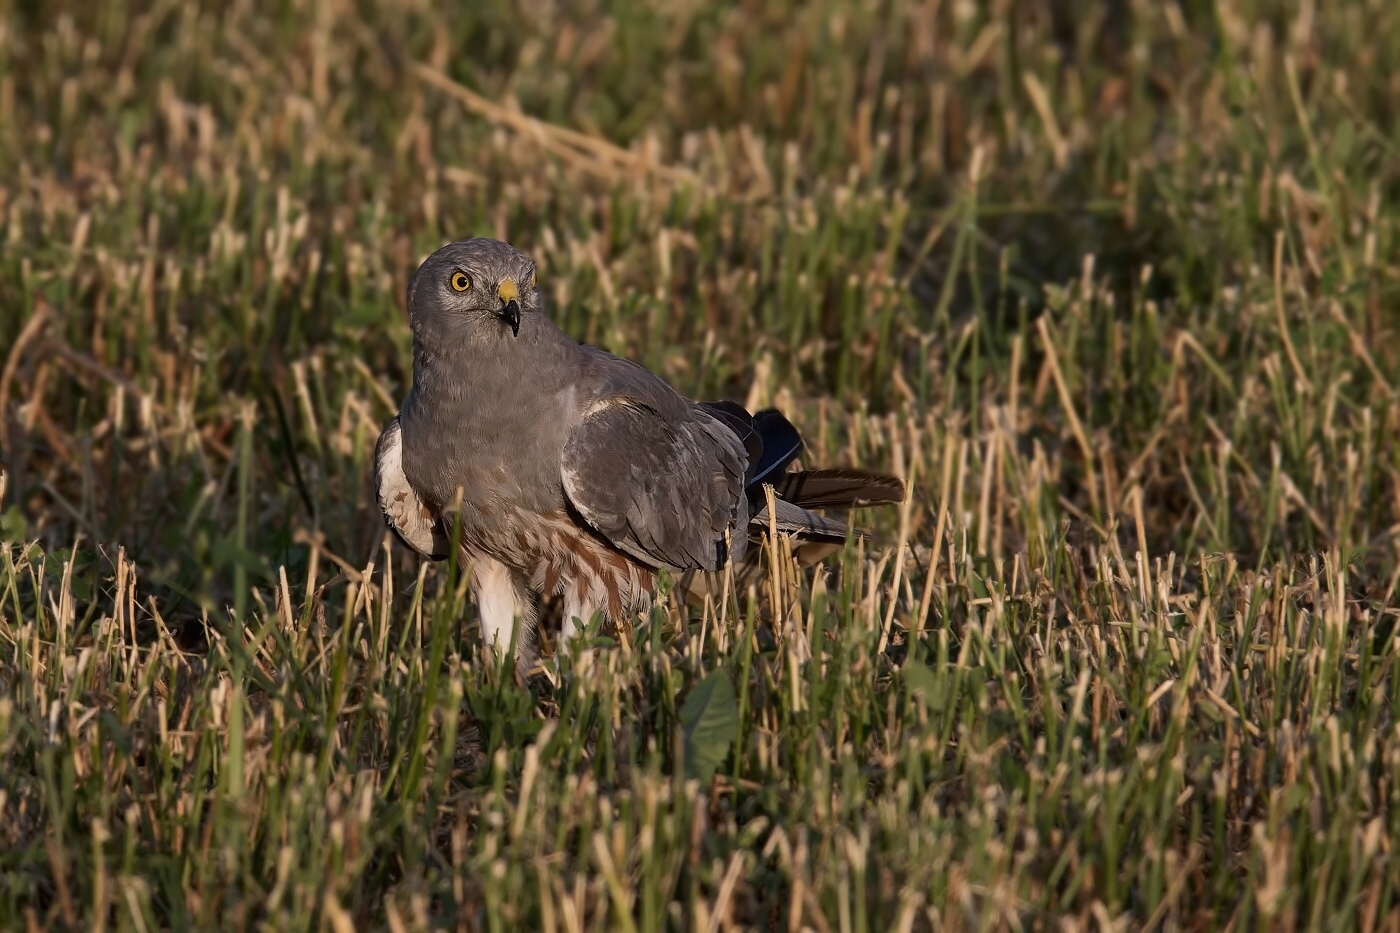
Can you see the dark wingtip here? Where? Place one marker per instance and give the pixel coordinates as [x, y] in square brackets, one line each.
[769, 438]
[781, 445]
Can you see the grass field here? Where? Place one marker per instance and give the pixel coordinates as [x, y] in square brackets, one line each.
[1114, 286]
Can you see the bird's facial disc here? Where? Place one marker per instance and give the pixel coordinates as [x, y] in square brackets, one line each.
[468, 289]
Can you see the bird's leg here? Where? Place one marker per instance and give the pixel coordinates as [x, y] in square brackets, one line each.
[526, 631]
[502, 599]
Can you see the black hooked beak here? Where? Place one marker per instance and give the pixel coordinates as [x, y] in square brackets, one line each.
[509, 293]
[511, 315]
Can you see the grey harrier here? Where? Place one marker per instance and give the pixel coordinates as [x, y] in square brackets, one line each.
[570, 472]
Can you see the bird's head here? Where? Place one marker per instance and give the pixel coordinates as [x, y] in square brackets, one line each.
[473, 290]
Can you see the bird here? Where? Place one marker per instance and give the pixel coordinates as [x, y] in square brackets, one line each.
[567, 473]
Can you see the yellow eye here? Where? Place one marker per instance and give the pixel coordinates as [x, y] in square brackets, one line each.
[461, 281]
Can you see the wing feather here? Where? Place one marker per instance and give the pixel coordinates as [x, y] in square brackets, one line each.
[838, 489]
[796, 521]
[659, 477]
[403, 509]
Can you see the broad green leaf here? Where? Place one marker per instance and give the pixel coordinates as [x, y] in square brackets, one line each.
[710, 724]
[13, 527]
[919, 679]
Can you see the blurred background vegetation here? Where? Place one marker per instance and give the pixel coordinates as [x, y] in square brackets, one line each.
[1098, 277]
[858, 201]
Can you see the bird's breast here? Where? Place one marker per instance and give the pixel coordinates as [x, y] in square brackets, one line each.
[499, 444]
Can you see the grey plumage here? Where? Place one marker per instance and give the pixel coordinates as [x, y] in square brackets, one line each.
[656, 475]
[571, 472]
[404, 511]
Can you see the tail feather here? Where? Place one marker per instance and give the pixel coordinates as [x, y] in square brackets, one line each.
[794, 520]
[772, 444]
[814, 537]
[838, 489]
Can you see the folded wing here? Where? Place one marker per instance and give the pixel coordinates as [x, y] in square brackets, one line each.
[404, 512]
[665, 480]
[661, 478]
